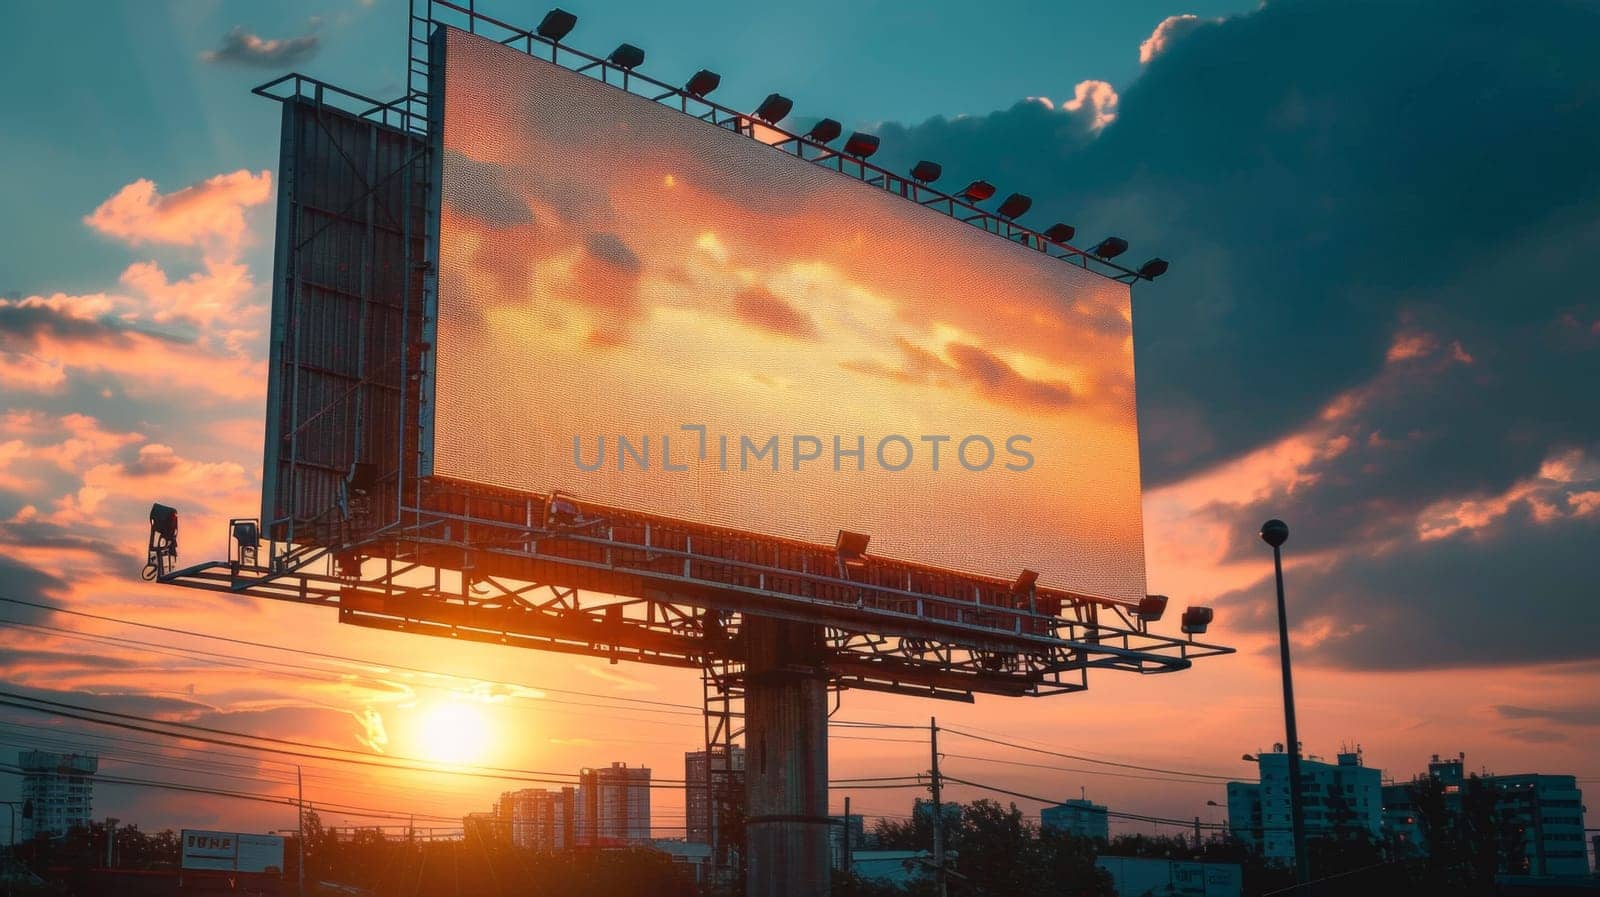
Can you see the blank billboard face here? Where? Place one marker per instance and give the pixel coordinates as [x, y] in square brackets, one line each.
[657, 314]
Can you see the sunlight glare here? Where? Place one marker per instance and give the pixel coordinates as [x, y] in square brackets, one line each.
[456, 733]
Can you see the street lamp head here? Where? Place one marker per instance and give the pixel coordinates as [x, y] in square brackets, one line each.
[1275, 532]
[1249, 758]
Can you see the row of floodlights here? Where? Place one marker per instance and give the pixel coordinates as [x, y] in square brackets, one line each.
[558, 23]
[852, 551]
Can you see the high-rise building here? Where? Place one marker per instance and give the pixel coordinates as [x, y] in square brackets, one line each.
[61, 789]
[1338, 799]
[1549, 808]
[698, 773]
[613, 806]
[540, 819]
[1081, 818]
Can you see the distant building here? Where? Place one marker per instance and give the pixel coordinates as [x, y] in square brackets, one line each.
[1548, 807]
[486, 827]
[1080, 818]
[539, 819]
[696, 856]
[61, 789]
[855, 828]
[1141, 876]
[1338, 799]
[697, 773]
[895, 867]
[1401, 824]
[613, 806]
[922, 808]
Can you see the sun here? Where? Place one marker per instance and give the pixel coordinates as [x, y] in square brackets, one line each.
[456, 733]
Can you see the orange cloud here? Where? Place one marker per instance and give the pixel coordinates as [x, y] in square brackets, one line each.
[758, 306]
[207, 214]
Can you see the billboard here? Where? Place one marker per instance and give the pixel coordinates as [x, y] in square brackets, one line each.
[651, 312]
[232, 852]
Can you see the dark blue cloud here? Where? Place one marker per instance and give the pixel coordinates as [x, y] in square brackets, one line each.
[1315, 170]
[1520, 594]
[1327, 177]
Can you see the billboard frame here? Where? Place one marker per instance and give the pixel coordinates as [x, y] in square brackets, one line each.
[776, 627]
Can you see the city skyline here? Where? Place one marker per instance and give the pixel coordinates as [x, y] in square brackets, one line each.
[132, 331]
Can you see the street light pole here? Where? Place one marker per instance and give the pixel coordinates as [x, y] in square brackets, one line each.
[1275, 533]
[300, 830]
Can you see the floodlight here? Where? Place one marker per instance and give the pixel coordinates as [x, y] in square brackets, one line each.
[1152, 269]
[556, 24]
[1024, 582]
[826, 131]
[852, 548]
[926, 172]
[1110, 247]
[773, 109]
[977, 191]
[1060, 233]
[626, 56]
[702, 83]
[861, 145]
[1196, 619]
[164, 522]
[347, 565]
[1151, 607]
[1014, 206]
[561, 511]
[247, 534]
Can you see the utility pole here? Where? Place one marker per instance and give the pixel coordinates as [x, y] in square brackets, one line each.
[300, 826]
[111, 838]
[936, 784]
[846, 850]
[1197, 833]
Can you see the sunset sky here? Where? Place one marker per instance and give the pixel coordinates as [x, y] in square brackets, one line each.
[1380, 325]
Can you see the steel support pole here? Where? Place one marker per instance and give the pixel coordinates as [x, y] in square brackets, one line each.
[786, 759]
[1297, 814]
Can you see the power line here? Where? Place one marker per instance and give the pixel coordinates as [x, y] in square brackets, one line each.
[250, 663]
[1087, 772]
[1082, 759]
[340, 809]
[335, 657]
[1133, 817]
[209, 736]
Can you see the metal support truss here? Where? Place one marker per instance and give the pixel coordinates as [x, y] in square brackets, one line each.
[641, 594]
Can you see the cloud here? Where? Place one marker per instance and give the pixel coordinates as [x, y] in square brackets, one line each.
[1308, 195]
[999, 380]
[1567, 716]
[203, 215]
[240, 47]
[1171, 30]
[1454, 604]
[1097, 100]
[962, 365]
[758, 306]
[610, 249]
[485, 191]
[46, 342]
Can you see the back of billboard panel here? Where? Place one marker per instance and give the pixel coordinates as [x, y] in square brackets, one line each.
[654, 313]
[232, 852]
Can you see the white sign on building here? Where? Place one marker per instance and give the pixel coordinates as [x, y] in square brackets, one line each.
[232, 852]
